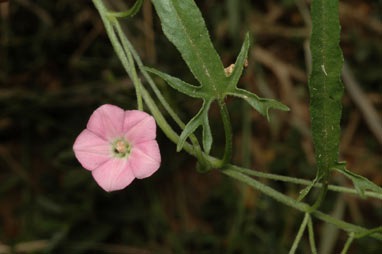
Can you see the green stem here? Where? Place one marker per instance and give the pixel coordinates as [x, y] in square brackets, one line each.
[369, 232]
[161, 121]
[129, 13]
[129, 47]
[134, 75]
[347, 244]
[157, 92]
[311, 236]
[321, 197]
[123, 55]
[303, 182]
[301, 206]
[299, 234]
[228, 133]
[230, 171]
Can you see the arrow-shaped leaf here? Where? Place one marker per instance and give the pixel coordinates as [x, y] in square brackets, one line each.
[184, 26]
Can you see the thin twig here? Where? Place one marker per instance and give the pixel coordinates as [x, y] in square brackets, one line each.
[299, 234]
[303, 182]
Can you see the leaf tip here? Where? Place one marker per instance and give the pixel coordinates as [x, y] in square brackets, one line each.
[284, 108]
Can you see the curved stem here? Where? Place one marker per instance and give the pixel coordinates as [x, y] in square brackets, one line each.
[129, 47]
[129, 13]
[321, 197]
[157, 92]
[228, 133]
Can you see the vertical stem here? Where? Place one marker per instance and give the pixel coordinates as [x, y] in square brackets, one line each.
[299, 234]
[348, 243]
[311, 236]
[135, 78]
[228, 133]
[321, 197]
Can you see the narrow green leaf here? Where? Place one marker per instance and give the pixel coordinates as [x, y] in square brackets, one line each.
[262, 105]
[207, 135]
[307, 189]
[325, 86]
[361, 184]
[180, 85]
[201, 118]
[233, 79]
[184, 26]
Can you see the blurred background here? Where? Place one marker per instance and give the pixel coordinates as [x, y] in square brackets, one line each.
[57, 66]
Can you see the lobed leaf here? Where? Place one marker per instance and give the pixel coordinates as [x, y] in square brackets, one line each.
[184, 26]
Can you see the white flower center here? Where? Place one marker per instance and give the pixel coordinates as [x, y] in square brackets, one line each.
[121, 148]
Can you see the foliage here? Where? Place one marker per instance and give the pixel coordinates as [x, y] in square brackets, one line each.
[184, 26]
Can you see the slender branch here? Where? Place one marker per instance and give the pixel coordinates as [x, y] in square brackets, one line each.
[348, 243]
[299, 234]
[321, 197]
[153, 86]
[301, 206]
[369, 232]
[198, 151]
[311, 236]
[134, 75]
[304, 182]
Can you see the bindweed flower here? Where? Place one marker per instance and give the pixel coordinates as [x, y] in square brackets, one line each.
[118, 146]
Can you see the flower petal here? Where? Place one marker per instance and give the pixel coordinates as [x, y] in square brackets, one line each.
[113, 175]
[145, 159]
[107, 122]
[138, 126]
[91, 150]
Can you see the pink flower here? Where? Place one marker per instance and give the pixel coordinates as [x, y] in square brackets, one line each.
[118, 146]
